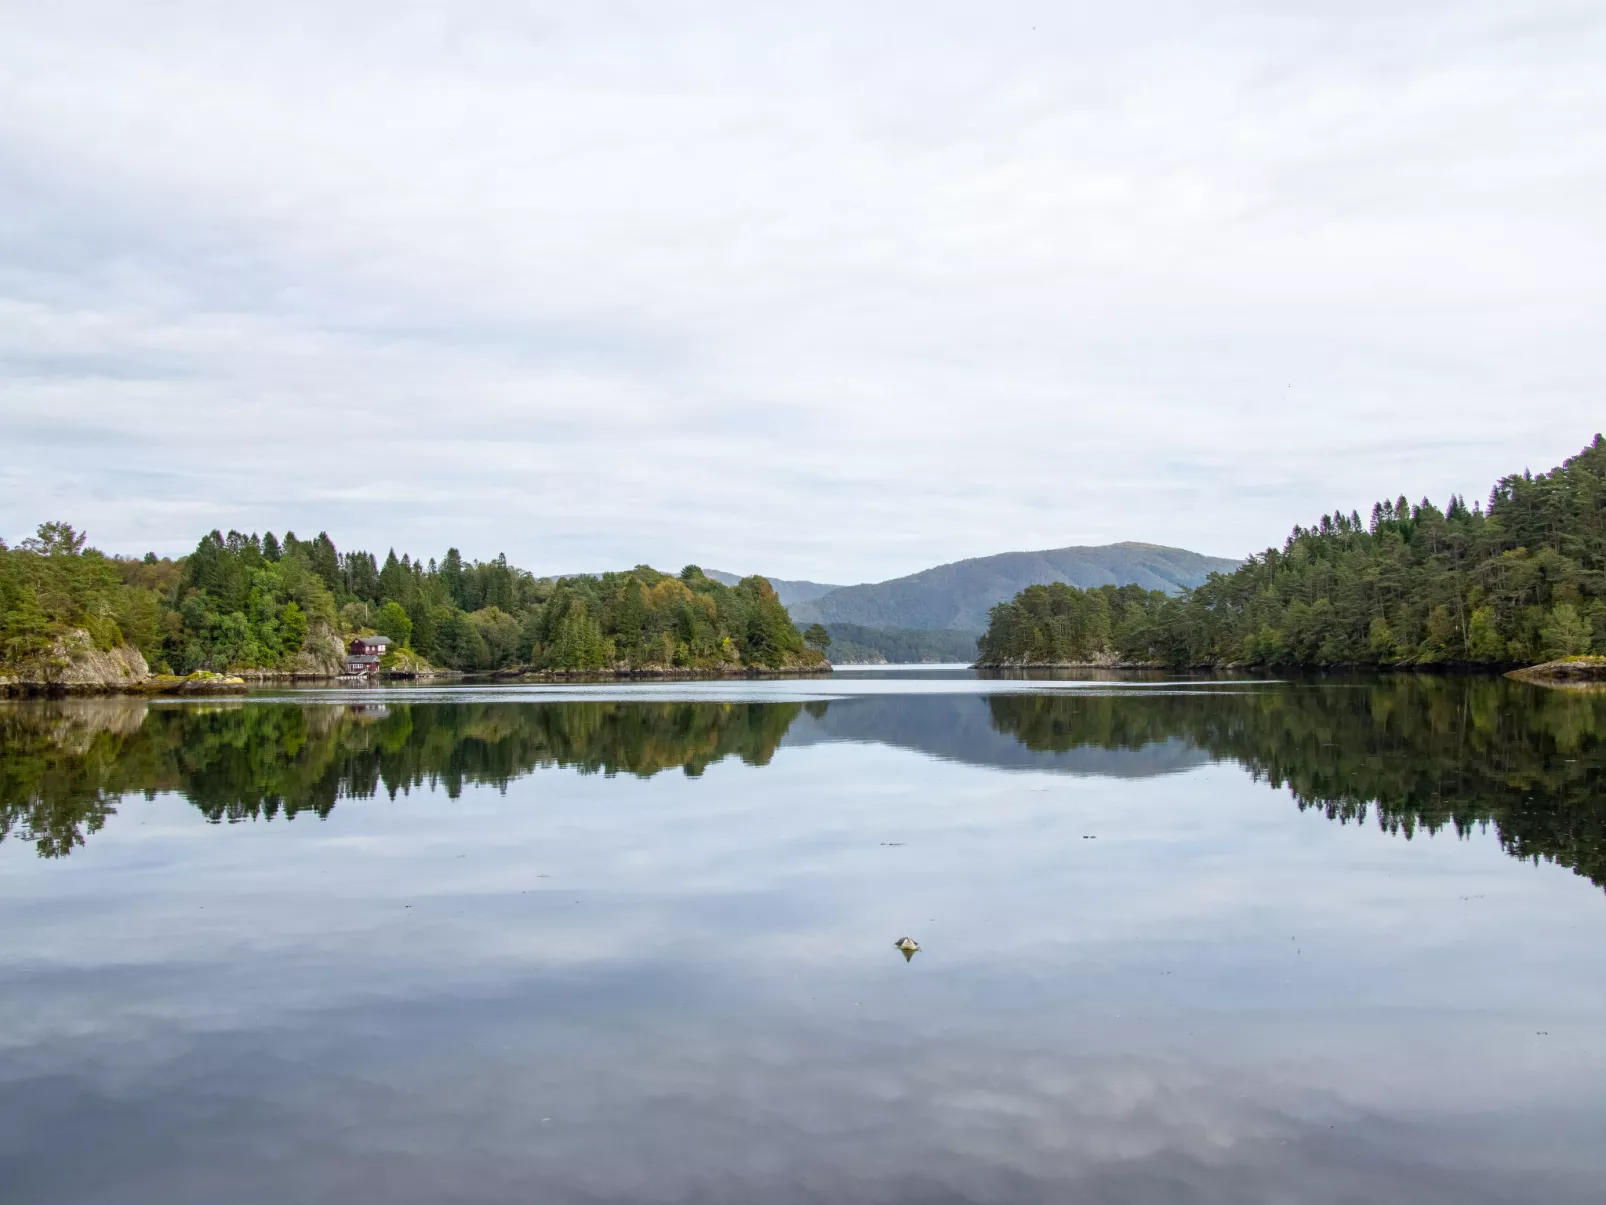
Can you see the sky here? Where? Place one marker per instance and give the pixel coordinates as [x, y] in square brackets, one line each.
[836, 291]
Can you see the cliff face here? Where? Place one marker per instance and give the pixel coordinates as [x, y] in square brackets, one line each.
[73, 662]
[323, 653]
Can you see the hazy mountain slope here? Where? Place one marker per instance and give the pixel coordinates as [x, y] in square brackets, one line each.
[960, 594]
[789, 591]
[854, 644]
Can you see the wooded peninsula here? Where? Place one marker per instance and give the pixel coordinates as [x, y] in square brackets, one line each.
[1521, 581]
[262, 606]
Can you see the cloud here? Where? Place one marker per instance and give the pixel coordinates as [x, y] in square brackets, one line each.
[838, 297]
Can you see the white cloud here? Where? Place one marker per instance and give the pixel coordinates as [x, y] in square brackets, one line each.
[837, 293]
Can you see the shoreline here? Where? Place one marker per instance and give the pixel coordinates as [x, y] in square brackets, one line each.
[203, 683]
[1534, 673]
[1565, 671]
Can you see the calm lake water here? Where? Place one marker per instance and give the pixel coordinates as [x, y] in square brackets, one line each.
[1222, 941]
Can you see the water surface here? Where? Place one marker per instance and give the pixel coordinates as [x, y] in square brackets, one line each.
[1232, 941]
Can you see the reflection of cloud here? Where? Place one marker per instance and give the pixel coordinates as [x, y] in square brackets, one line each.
[521, 1099]
[692, 980]
[706, 272]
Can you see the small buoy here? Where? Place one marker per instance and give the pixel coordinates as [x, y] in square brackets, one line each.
[908, 945]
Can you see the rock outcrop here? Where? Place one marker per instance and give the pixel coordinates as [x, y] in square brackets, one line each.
[1567, 671]
[74, 663]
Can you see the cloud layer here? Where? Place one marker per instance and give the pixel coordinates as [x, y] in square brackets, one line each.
[839, 293]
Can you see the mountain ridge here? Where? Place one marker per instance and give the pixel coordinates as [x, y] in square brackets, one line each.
[959, 594]
[788, 590]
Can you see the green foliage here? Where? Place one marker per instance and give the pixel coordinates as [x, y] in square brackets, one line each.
[1523, 581]
[292, 626]
[354, 616]
[392, 621]
[1060, 624]
[50, 585]
[646, 620]
[1564, 633]
[55, 539]
[458, 643]
[243, 602]
[238, 609]
[817, 637]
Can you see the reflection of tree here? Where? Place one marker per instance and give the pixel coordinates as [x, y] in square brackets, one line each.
[1419, 752]
[66, 763]
[62, 769]
[1422, 752]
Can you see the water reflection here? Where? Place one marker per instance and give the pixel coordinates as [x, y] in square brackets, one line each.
[67, 762]
[686, 989]
[1423, 752]
[1415, 752]
[965, 728]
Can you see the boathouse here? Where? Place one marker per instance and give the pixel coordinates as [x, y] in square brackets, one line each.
[364, 652]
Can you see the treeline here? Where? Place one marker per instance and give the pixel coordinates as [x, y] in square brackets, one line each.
[249, 602]
[854, 644]
[1059, 624]
[1519, 582]
[50, 584]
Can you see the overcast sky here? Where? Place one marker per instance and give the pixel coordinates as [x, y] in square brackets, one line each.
[828, 291]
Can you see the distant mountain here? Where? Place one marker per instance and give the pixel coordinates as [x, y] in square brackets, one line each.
[854, 644]
[789, 591]
[960, 594]
[964, 728]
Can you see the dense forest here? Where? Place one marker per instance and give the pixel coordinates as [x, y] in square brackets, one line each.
[1412, 753]
[1061, 624]
[1521, 581]
[261, 603]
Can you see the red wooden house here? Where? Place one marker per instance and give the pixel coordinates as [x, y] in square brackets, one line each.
[364, 652]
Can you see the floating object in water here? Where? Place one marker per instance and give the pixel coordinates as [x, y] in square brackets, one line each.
[909, 946]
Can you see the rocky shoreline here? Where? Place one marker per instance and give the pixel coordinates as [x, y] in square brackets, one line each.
[73, 665]
[1566, 671]
[151, 686]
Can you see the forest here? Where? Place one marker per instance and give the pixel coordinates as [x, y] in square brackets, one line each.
[1519, 581]
[269, 604]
